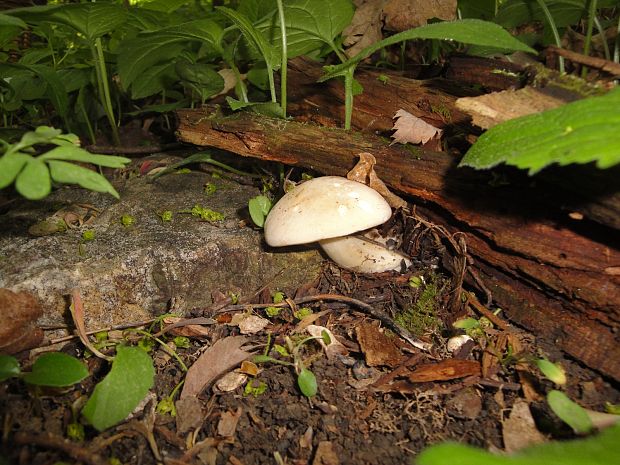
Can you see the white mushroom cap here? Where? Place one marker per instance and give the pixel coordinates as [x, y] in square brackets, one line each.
[323, 208]
[363, 256]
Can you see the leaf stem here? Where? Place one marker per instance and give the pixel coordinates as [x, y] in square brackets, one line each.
[104, 88]
[283, 65]
[554, 30]
[588, 39]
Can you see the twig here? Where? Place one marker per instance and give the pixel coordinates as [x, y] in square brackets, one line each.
[52, 441]
[593, 62]
[493, 318]
[363, 306]
[77, 313]
[132, 150]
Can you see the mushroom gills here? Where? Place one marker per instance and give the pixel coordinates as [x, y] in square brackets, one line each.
[363, 255]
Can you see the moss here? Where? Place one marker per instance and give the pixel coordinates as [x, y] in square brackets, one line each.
[442, 111]
[422, 317]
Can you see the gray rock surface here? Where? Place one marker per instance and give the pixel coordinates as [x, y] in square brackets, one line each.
[129, 274]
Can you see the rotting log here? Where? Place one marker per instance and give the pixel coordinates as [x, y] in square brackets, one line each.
[561, 283]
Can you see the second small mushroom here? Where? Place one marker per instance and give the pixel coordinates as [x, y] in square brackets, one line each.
[328, 210]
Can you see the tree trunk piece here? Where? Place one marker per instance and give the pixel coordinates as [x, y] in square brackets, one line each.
[544, 271]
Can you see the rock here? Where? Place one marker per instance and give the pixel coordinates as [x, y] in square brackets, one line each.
[130, 273]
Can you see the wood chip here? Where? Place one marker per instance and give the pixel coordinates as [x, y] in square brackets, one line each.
[227, 426]
[445, 370]
[378, 349]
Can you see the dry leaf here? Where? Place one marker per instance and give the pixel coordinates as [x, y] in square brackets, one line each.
[365, 27]
[221, 357]
[230, 381]
[378, 348]
[189, 414]
[519, 429]
[325, 454]
[445, 370]
[228, 423]
[401, 15]
[20, 312]
[364, 172]
[77, 314]
[410, 128]
[334, 347]
[248, 324]
[187, 330]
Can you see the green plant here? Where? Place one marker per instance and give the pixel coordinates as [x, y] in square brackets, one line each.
[601, 449]
[467, 31]
[305, 378]
[115, 397]
[580, 132]
[259, 207]
[53, 369]
[33, 175]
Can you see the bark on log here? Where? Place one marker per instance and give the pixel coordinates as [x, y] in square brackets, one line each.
[552, 278]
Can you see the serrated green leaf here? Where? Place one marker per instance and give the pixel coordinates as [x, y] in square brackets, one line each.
[467, 31]
[10, 166]
[122, 389]
[307, 383]
[33, 182]
[580, 132]
[602, 449]
[569, 412]
[73, 153]
[9, 367]
[69, 173]
[56, 369]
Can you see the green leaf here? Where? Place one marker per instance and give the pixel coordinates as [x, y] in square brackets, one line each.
[34, 180]
[309, 24]
[122, 389]
[552, 371]
[74, 153]
[56, 369]
[90, 19]
[467, 31]
[602, 449]
[271, 109]
[256, 38]
[10, 166]
[9, 367]
[307, 383]
[55, 88]
[161, 46]
[478, 9]
[7, 21]
[69, 173]
[259, 207]
[201, 77]
[569, 412]
[579, 132]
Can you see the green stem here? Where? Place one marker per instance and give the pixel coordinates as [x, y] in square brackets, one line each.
[601, 31]
[348, 98]
[104, 88]
[617, 44]
[588, 39]
[554, 29]
[283, 64]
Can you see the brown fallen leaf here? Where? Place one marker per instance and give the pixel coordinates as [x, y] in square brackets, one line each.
[401, 15]
[221, 357]
[445, 370]
[365, 27]
[189, 414]
[18, 331]
[77, 314]
[325, 454]
[227, 426]
[519, 429]
[364, 172]
[186, 330]
[410, 128]
[248, 324]
[334, 347]
[378, 349]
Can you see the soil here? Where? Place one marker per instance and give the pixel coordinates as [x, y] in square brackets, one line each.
[357, 417]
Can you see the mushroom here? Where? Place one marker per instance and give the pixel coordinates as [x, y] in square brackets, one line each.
[328, 209]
